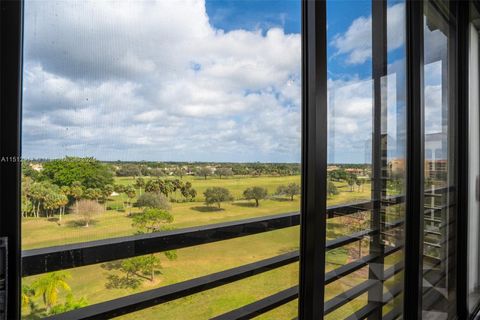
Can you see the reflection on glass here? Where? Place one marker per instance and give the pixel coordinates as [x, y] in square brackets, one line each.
[148, 116]
[439, 216]
[366, 152]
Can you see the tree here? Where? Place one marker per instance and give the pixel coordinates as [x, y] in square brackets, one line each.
[357, 222]
[87, 209]
[165, 187]
[351, 182]
[76, 192]
[26, 203]
[129, 170]
[106, 192]
[331, 189]
[89, 194]
[54, 200]
[188, 192]
[290, 190]
[153, 200]
[27, 294]
[139, 266]
[151, 220]
[359, 183]
[118, 188]
[89, 172]
[168, 187]
[28, 171]
[49, 286]
[180, 172]
[38, 193]
[69, 305]
[140, 183]
[224, 172]
[131, 193]
[255, 193]
[217, 195]
[45, 197]
[203, 172]
[156, 172]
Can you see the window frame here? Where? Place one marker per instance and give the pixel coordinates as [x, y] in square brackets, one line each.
[314, 159]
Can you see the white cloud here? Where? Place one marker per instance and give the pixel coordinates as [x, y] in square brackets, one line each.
[154, 80]
[350, 119]
[356, 42]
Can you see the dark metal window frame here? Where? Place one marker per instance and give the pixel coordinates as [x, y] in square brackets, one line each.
[11, 34]
[415, 165]
[314, 159]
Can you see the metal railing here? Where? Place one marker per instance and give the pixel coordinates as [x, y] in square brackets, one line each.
[38, 261]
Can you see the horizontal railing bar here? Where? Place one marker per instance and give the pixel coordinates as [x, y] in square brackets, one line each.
[393, 314]
[393, 270]
[261, 306]
[168, 293]
[439, 191]
[347, 209]
[353, 237]
[439, 277]
[142, 300]
[353, 266]
[348, 295]
[347, 269]
[358, 290]
[371, 307]
[179, 290]
[44, 260]
[392, 293]
[393, 224]
[254, 309]
[365, 311]
[432, 232]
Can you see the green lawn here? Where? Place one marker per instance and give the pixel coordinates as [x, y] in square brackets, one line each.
[192, 262]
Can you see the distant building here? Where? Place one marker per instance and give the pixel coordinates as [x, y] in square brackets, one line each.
[36, 166]
[436, 155]
[357, 171]
[396, 166]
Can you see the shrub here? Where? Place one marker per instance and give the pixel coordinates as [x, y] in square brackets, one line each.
[255, 193]
[87, 209]
[153, 200]
[290, 190]
[217, 195]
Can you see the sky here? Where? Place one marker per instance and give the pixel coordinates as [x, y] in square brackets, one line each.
[194, 80]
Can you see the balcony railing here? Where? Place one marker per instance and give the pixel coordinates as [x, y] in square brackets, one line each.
[38, 261]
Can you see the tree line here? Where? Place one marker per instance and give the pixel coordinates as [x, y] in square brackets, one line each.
[205, 169]
[85, 185]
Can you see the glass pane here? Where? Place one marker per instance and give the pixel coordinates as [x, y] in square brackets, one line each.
[366, 153]
[439, 216]
[473, 253]
[147, 116]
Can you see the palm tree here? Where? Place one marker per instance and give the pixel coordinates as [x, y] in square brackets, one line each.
[27, 294]
[49, 286]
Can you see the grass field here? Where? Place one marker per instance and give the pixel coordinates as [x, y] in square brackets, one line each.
[192, 262]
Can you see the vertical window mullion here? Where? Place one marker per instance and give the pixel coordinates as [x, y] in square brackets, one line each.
[11, 25]
[462, 141]
[314, 160]
[415, 162]
[379, 64]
